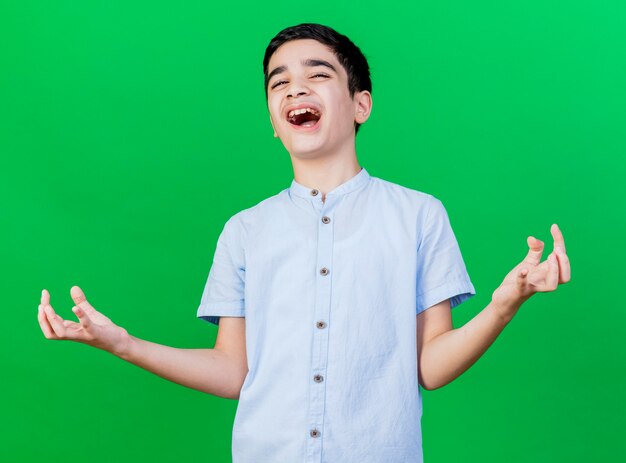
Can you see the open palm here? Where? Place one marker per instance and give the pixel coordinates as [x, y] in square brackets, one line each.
[92, 328]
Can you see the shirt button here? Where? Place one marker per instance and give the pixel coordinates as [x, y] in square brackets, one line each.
[315, 433]
[326, 219]
[318, 378]
[314, 192]
[321, 324]
[324, 271]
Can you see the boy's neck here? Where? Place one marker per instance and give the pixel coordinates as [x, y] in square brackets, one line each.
[326, 173]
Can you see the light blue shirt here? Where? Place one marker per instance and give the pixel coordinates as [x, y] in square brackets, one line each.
[330, 292]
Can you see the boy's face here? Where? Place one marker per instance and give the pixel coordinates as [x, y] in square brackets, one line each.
[306, 77]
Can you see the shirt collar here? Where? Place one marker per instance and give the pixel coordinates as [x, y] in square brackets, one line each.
[348, 186]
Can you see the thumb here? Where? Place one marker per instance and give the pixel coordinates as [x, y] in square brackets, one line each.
[535, 250]
[80, 300]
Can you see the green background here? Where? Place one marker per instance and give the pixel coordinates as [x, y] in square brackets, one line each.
[131, 131]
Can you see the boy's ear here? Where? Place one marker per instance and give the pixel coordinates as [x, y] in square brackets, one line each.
[363, 106]
[272, 123]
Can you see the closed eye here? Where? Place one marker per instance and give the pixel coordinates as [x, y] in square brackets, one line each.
[281, 82]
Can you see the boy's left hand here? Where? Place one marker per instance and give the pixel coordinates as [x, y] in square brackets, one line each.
[532, 276]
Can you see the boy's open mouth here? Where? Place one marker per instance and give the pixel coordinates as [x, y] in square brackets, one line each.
[304, 117]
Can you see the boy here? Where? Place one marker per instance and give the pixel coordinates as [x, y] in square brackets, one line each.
[333, 298]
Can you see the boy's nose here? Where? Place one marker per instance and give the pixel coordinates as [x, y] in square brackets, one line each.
[297, 90]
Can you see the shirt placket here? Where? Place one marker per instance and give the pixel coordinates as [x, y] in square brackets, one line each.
[319, 357]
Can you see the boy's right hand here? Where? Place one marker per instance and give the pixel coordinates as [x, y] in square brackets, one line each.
[93, 328]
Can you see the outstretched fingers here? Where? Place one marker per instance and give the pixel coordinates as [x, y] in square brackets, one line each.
[54, 321]
[561, 254]
[558, 236]
[47, 318]
[565, 273]
[45, 297]
[55, 327]
[44, 324]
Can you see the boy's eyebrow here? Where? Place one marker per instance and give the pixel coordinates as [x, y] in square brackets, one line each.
[307, 62]
[318, 62]
[275, 71]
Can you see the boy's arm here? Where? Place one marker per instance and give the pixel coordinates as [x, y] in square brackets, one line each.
[219, 371]
[445, 353]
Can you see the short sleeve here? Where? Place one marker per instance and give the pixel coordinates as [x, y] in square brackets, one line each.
[441, 272]
[223, 293]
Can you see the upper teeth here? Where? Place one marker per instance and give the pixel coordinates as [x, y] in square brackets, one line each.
[295, 112]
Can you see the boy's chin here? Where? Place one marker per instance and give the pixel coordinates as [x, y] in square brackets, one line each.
[308, 153]
[305, 150]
